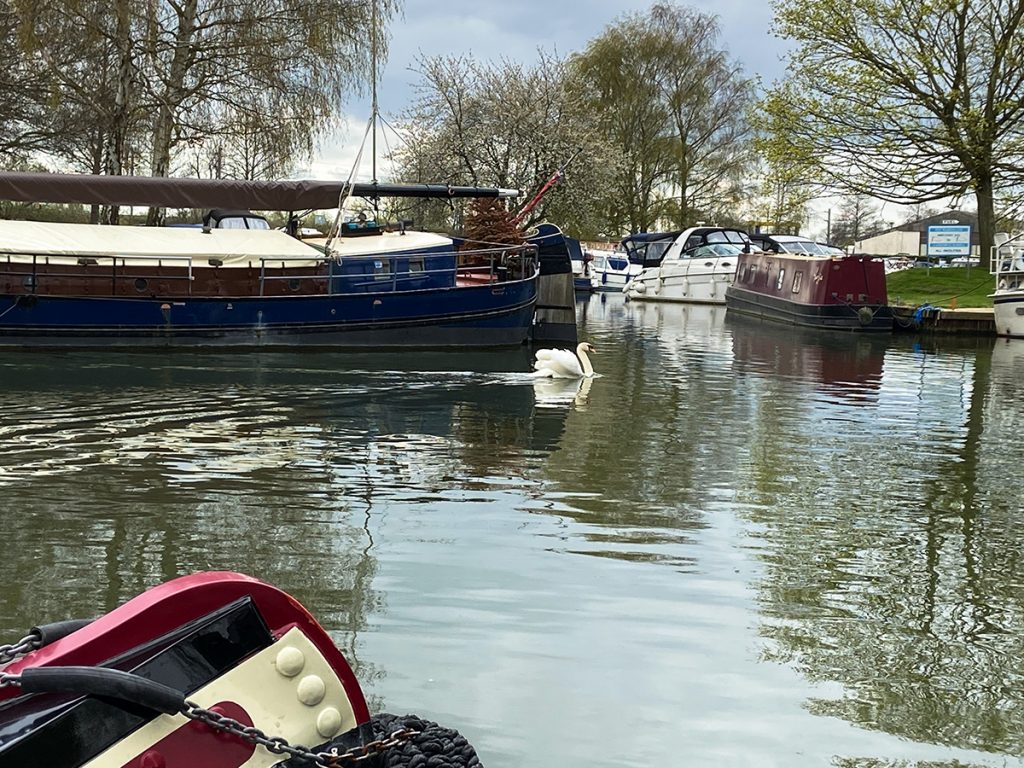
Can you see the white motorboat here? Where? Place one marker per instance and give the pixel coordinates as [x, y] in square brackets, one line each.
[612, 271]
[1008, 299]
[697, 268]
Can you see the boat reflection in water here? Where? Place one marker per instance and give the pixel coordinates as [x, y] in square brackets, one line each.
[849, 367]
[891, 570]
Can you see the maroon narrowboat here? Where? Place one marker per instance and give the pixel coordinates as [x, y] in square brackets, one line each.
[212, 670]
[817, 291]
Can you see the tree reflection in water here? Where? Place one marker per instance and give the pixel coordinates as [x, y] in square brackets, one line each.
[899, 578]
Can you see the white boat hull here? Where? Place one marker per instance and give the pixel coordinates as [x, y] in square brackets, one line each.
[701, 283]
[1008, 308]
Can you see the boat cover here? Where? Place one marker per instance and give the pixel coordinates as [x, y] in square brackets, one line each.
[78, 240]
[291, 195]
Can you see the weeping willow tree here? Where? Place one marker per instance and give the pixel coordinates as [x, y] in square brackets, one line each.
[909, 102]
[148, 78]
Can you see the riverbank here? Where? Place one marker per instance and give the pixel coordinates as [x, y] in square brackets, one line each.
[946, 287]
[952, 300]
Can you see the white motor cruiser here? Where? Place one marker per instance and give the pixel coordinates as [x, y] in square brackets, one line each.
[697, 268]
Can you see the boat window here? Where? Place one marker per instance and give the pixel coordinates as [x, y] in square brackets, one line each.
[381, 269]
[232, 222]
[255, 222]
[736, 237]
[416, 265]
[778, 281]
[692, 242]
[716, 237]
[798, 278]
[141, 284]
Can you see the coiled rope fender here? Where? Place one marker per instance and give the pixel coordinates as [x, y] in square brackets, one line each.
[433, 746]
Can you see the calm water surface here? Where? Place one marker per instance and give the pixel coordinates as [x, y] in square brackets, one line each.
[739, 546]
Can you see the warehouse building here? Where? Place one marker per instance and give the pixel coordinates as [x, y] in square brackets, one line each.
[946, 231]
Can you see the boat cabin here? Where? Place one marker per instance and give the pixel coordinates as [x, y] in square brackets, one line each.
[792, 244]
[220, 218]
[647, 249]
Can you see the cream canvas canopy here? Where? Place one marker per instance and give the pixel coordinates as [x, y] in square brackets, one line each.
[33, 238]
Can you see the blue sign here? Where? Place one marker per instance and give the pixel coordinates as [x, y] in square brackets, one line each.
[949, 240]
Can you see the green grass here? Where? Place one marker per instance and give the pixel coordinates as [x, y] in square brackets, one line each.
[917, 286]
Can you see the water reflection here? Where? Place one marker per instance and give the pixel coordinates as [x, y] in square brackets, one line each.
[892, 568]
[138, 468]
[752, 544]
[846, 366]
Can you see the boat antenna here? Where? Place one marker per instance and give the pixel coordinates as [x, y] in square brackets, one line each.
[555, 178]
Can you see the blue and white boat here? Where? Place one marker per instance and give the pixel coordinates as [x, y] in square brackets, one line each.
[68, 285]
[613, 271]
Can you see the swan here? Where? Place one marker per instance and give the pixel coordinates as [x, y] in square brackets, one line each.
[563, 364]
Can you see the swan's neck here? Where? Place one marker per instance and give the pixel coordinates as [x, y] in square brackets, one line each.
[588, 369]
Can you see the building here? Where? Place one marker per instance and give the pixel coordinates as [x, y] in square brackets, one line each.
[911, 239]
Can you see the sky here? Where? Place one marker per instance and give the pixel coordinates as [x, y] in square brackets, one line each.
[515, 29]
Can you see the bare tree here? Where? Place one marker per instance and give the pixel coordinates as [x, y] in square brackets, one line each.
[506, 124]
[858, 217]
[173, 72]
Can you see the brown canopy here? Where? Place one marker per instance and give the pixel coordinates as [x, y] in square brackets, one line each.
[212, 193]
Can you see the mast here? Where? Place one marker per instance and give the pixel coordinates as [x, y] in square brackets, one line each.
[373, 86]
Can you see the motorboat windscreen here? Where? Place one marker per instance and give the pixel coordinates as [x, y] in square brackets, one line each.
[648, 248]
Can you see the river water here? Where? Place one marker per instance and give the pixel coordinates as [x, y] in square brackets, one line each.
[741, 545]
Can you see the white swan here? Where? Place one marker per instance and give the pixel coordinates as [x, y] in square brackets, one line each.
[563, 364]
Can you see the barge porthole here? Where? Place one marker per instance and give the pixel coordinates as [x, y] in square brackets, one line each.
[141, 284]
[1020, 310]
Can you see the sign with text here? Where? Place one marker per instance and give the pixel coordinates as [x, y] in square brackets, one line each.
[949, 240]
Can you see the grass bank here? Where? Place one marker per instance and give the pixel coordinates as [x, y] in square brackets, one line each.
[969, 287]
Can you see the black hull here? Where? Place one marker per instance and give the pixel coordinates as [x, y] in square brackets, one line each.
[838, 317]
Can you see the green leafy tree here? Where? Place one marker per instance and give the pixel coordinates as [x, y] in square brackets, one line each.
[674, 107]
[909, 102]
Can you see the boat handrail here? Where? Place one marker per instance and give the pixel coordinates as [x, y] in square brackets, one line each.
[490, 268]
[113, 276]
[1008, 257]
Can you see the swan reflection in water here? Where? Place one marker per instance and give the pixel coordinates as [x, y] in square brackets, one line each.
[557, 393]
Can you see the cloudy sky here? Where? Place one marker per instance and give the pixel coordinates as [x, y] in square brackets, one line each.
[489, 29]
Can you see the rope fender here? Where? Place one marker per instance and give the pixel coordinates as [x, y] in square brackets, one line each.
[434, 746]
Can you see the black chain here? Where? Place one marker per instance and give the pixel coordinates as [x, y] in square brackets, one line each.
[280, 746]
[27, 644]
